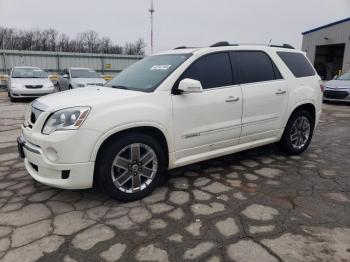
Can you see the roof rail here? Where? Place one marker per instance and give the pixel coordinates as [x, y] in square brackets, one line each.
[223, 43]
[283, 46]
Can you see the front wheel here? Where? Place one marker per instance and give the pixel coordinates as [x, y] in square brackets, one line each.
[130, 167]
[298, 133]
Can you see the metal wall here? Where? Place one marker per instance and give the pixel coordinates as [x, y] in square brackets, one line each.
[56, 61]
[335, 34]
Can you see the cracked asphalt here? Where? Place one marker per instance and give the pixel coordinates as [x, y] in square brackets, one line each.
[259, 205]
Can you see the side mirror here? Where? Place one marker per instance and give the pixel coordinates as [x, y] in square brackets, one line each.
[188, 86]
[335, 77]
[65, 76]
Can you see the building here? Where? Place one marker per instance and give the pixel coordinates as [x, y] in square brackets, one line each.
[328, 48]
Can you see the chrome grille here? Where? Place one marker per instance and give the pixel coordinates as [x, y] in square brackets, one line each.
[37, 109]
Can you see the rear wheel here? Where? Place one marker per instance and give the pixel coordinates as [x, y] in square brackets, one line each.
[298, 133]
[130, 167]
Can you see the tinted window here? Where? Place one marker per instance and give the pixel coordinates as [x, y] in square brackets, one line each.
[297, 63]
[212, 71]
[84, 73]
[255, 66]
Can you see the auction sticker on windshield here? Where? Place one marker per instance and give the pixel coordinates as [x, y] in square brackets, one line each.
[160, 67]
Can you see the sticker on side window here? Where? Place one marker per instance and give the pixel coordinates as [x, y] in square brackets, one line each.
[160, 67]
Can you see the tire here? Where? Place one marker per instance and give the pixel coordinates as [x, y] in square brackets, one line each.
[70, 87]
[58, 87]
[296, 139]
[119, 150]
[12, 99]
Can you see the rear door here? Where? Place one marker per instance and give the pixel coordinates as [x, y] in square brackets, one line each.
[212, 119]
[264, 94]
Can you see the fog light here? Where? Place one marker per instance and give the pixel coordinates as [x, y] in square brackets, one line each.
[51, 154]
[65, 174]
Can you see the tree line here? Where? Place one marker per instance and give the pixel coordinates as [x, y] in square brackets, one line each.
[52, 40]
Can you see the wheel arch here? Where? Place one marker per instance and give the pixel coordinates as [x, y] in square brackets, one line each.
[150, 130]
[307, 106]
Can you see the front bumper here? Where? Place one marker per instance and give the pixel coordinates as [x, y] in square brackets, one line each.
[26, 92]
[65, 176]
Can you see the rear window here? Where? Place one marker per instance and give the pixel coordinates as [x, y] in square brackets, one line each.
[297, 64]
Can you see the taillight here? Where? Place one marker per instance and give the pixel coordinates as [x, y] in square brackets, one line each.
[322, 88]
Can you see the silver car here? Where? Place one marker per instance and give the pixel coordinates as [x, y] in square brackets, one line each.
[77, 77]
[26, 81]
[338, 89]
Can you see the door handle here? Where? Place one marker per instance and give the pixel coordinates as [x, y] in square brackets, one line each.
[232, 99]
[280, 92]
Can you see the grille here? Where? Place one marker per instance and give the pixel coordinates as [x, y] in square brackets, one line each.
[335, 94]
[34, 115]
[34, 86]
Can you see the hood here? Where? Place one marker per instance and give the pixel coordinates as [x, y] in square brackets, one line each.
[338, 84]
[87, 81]
[30, 81]
[89, 96]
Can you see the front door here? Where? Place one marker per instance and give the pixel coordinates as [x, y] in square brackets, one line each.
[212, 119]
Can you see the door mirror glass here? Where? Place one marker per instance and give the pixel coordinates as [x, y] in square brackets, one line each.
[188, 85]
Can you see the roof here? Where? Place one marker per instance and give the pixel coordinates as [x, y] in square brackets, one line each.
[325, 26]
[226, 48]
[26, 67]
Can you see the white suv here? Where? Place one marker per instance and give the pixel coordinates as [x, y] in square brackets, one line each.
[169, 110]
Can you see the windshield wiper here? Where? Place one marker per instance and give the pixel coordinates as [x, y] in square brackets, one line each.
[120, 87]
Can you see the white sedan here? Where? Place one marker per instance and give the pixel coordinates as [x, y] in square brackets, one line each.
[26, 82]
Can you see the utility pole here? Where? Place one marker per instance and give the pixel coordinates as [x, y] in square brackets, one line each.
[4, 55]
[151, 11]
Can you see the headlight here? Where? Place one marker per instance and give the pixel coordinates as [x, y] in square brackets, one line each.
[66, 119]
[80, 85]
[49, 85]
[16, 85]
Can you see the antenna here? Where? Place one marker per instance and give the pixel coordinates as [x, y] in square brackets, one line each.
[151, 11]
[270, 42]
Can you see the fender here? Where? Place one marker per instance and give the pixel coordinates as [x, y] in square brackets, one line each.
[130, 125]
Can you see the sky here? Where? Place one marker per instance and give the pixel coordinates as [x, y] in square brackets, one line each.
[178, 22]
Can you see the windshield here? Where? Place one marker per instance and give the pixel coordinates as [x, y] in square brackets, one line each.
[345, 76]
[84, 73]
[28, 73]
[149, 73]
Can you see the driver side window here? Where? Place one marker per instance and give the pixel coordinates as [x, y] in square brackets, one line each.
[213, 70]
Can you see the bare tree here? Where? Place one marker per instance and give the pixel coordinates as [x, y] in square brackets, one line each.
[137, 48]
[51, 40]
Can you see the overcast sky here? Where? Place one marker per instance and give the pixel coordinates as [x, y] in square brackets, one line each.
[178, 22]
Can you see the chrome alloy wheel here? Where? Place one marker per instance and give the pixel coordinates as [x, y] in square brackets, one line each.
[300, 132]
[134, 168]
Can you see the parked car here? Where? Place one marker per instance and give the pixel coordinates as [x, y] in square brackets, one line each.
[76, 77]
[169, 110]
[338, 89]
[27, 81]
